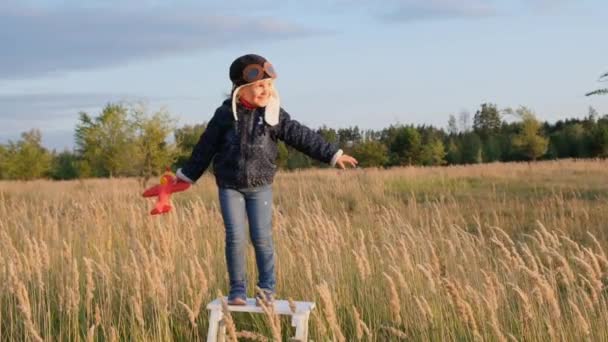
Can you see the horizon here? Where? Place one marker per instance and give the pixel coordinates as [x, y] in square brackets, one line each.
[340, 63]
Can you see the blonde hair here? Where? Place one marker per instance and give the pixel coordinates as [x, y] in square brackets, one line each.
[251, 84]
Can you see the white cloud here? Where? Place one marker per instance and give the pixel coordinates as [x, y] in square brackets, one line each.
[39, 41]
[52, 106]
[414, 10]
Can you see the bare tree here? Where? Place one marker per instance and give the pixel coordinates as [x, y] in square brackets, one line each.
[602, 91]
[465, 121]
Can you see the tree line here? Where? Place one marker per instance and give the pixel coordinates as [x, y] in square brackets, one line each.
[127, 141]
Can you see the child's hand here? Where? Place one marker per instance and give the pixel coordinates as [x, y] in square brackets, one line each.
[346, 159]
[178, 180]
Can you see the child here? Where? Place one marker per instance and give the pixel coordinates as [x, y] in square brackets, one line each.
[241, 139]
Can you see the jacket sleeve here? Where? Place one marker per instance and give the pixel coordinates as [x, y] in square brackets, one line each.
[306, 140]
[203, 151]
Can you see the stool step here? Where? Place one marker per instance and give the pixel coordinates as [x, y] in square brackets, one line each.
[281, 306]
[299, 318]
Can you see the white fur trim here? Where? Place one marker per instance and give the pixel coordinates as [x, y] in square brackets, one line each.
[179, 174]
[234, 94]
[272, 110]
[334, 159]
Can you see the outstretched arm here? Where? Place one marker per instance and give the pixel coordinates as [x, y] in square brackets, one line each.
[309, 142]
[203, 152]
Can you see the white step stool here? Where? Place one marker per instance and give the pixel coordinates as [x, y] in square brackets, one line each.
[299, 318]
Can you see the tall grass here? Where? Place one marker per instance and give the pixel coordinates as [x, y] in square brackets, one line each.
[489, 252]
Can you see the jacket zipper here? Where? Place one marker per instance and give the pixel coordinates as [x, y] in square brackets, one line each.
[248, 136]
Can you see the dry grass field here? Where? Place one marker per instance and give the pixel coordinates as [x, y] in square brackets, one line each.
[497, 252]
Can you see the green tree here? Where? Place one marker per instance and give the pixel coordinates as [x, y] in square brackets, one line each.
[599, 139]
[153, 153]
[433, 153]
[3, 161]
[487, 120]
[283, 156]
[569, 140]
[370, 153]
[530, 141]
[65, 166]
[503, 142]
[453, 155]
[471, 149]
[491, 148]
[26, 159]
[349, 137]
[106, 143]
[403, 143]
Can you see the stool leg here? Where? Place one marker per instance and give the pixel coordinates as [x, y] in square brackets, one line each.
[221, 333]
[214, 320]
[305, 325]
[300, 322]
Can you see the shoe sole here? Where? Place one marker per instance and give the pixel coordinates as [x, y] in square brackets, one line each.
[237, 301]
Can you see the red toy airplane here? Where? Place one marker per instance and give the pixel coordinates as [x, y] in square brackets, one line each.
[164, 190]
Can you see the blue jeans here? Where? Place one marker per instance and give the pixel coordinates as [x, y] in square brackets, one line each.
[256, 205]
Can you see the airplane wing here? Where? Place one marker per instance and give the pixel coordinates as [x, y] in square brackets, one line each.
[153, 191]
[180, 186]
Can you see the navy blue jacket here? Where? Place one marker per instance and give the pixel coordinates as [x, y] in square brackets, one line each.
[244, 152]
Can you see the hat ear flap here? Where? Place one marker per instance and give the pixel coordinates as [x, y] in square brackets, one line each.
[234, 96]
[271, 113]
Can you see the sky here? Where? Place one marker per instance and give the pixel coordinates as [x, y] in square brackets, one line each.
[340, 63]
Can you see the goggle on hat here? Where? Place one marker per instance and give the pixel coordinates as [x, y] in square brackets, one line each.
[247, 70]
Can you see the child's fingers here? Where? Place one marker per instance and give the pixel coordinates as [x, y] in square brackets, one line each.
[352, 161]
[342, 162]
